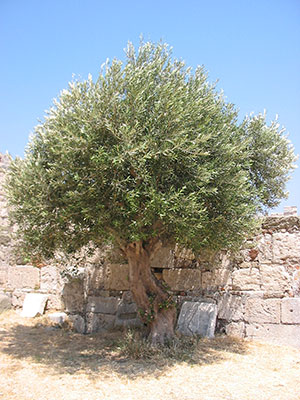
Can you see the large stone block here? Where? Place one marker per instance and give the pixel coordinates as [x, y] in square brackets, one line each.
[73, 296]
[230, 307]
[265, 249]
[236, 329]
[23, 276]
[197, 318]
[34, 304]
[100, 322]
[286, 246]
[77, 323]
[274, 278]
[50, 279]
[163, 258]
[290, 311]
[103, 305]
[116, 277]
[182, 279]
[262, 310]
[5, 303]
[246, 279]
[3, 275]
[288, 335]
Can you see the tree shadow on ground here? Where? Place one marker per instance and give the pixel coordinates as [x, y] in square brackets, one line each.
[62, 351]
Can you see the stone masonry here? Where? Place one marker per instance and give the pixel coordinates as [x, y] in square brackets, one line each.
[257, 291]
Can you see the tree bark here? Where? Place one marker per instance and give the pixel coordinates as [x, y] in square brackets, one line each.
[155, 305]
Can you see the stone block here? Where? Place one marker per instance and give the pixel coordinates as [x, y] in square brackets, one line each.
[77, 323]
[103, 305]
[3, 275]
[34, 304]
[262, 310]
[246, 279]
[50, 279]
[288, 335]
[274, 278]
[230, 307]
[116, 277]
[290, 311]
[265, 249]
[73, 296]
[5, 303]
[236, 329]
[23, 276]
[182, 279]
[206, 280]
[127, 316]
[58, 318]
[221, 278]
[286, 247]
[100, 322]
[197, 318]
[54, 302]
[163, 258]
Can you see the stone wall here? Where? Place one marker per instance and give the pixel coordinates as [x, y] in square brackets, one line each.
[257, 291]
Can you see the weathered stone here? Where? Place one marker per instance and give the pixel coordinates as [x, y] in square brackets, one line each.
[163, 258]
[290, 311]
[103, 305]
[99, 322]
[182, 279]
[34, 304]
[183, 253]
[278, 334]
[246, 279]
[73, 296]
[230, 307]
[50, 279]
[286, 246]
[3, 275]
[221, 278]
[77, 323]
[265, 248]
[58, 318]
[23, 276]
[275, 278]
[116, 277]
[236, 329]
[197, 319]
[54, 302]
[207, 280]
[5, 303]
[262, 310]
[127, 316]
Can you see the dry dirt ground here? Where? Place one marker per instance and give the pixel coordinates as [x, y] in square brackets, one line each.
[38, 362]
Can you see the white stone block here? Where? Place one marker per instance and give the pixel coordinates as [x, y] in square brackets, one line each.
[34, 304]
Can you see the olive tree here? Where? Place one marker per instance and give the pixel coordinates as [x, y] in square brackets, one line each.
[149, 151]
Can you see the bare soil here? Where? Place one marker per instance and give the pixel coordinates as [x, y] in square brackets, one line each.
[40, 362]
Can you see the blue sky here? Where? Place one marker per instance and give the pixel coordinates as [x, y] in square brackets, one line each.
[251, 46]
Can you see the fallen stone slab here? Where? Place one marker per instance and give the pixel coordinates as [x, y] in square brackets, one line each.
[58, 317]
[197, 318]
[5, 303]
[34, 304]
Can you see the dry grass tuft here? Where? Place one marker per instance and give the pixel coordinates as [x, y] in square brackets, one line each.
[40, 362]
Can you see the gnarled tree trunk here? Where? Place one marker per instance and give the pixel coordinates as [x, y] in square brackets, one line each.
[155, 305]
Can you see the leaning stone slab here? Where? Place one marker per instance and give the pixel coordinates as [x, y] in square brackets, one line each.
[197, 318]
[5, 303]
[34, 304]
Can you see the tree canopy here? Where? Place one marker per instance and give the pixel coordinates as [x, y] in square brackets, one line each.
[149, 149]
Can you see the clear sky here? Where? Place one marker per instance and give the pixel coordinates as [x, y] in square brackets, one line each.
[251, 46]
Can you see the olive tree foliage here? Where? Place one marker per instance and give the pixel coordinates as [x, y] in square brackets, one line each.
[148, 150]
